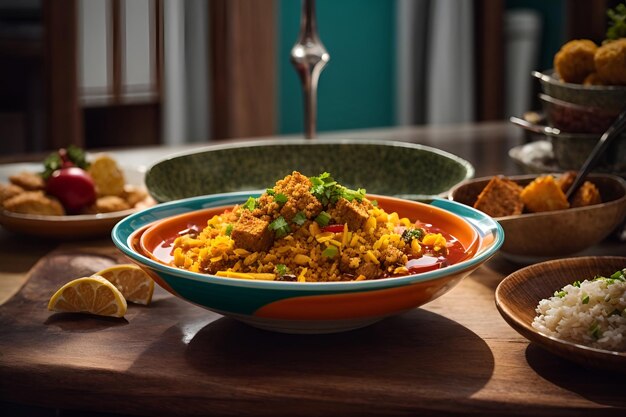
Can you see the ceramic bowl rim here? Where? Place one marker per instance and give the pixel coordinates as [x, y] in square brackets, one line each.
[240, 196]
[469, 168]
[617, 179]
[547, 76]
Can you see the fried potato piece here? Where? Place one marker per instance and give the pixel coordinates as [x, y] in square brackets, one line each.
[107, 175]
[587, 195]
[34, 202]
[29, 181]
[500, 197]
[566, 180]
[544, 194]
[610, 62]
[575, 60]
[9, 190]
[108, 204]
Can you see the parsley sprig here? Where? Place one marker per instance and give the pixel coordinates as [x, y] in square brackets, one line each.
[328, 191]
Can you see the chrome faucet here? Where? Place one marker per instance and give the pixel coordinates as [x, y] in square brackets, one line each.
[309, 57]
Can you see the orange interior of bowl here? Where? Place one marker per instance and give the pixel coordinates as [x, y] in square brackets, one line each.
[156, 242]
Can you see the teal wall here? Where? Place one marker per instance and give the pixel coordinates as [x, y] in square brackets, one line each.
[357, 88]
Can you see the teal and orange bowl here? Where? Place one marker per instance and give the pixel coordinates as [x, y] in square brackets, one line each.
[303, 307]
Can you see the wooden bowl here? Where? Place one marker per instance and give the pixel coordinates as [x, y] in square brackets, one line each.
[518, 295]
[541, 236]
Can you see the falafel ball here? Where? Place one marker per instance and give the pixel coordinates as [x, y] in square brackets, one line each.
[575, 60]
[610, 61]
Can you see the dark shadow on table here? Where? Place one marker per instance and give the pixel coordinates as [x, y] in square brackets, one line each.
[603, 387]
[416, 353]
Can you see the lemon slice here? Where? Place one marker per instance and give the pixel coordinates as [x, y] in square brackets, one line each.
[93, 295]
[133, 282]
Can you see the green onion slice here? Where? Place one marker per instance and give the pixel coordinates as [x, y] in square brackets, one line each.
[330, 251]
[323, 219]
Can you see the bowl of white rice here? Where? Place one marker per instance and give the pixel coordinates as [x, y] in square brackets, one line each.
[575, 308]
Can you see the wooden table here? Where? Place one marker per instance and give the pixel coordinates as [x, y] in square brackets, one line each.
[454, 356]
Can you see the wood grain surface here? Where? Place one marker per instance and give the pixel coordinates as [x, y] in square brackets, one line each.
[456, 356]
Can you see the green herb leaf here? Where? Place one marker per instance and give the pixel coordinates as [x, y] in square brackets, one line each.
[229, 229]
[281, 269]
[374, 203]
[328, 191]
[323, 219]
[250, 204]
[280, 227]
[585, 299]
[280, 198]
[560, 294]
[576, 284]
[270, 191]
[330, 251]
[409, 234]
[299, 218]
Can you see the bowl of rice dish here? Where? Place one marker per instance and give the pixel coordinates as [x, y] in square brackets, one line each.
[308, 255]
[574, 307]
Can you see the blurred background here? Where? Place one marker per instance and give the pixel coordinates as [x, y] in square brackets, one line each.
[114, 73]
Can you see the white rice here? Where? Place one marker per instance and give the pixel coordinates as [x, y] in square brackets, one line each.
[592, 313]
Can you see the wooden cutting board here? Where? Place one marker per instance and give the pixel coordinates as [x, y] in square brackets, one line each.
[455, 356]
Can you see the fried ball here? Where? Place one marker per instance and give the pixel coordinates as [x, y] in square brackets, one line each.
[593, 79]
[108, 204]
[34, 202]
[134, 195]
[29, 181]
[610, 62]
[9, 190]
[574, 61]
[108, 177]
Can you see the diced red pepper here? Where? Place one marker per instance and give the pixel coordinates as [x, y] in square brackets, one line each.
[333, 228]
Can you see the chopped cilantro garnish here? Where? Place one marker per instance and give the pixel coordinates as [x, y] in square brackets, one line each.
[250, 204]
[229, 229]
[270, 191]
[409, 234]
[323, 219]
[352, 195]
[280, 227]
[374, 203]
[330, 251]
[281, 269]
[328, 191]
[280, 198]
[299, 218]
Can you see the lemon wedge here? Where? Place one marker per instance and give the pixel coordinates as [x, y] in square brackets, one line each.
[133, 282]
[93, 295]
